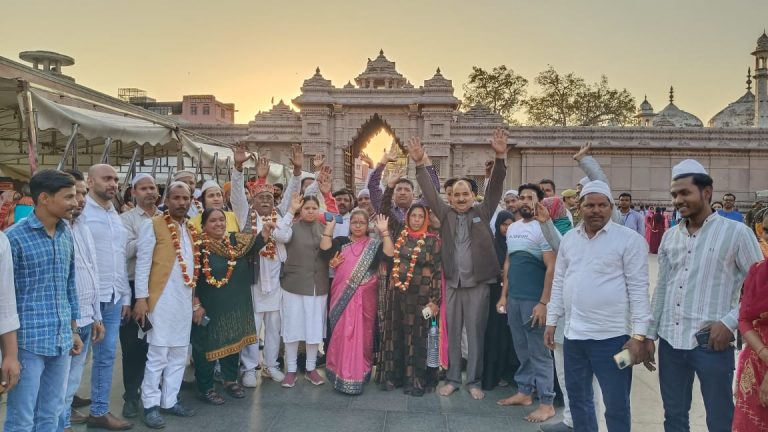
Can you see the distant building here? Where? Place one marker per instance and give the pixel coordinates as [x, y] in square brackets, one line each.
[197, 109]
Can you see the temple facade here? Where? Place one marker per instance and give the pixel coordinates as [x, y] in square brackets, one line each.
[339, 121]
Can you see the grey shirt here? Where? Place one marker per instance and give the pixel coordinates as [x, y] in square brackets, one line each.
[464, 253]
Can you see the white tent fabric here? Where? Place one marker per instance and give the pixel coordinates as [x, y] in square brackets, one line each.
[96, 124]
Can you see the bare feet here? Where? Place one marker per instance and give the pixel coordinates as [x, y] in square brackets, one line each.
[542, 414]
[447, 390]
[476, 393]
[516, 399]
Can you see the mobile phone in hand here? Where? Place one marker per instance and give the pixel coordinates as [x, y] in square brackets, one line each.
[339, 219]
[623, 359]
[328, 216]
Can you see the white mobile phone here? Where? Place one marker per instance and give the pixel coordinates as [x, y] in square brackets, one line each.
[427, 312]
[623, 359]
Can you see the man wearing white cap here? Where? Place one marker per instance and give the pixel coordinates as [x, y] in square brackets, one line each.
[144, 191]
[212, 196]
[600, 287]
[190, 179]
[702, 264]
[511, 199]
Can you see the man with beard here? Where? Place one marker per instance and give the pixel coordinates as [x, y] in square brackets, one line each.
[403, 195]
[266, 290]
[703, 261]
[511, 200]
[44, 276]
[165, 278]
[89, 324]
[528, 272]
[467, 243]
[190, 179]
[102, 219]
[278, 192]
[134, 349]
[345, 203]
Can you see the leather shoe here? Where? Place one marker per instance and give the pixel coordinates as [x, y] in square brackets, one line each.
[108, 422]
[76, 417]
[78, 402]
[130, 408]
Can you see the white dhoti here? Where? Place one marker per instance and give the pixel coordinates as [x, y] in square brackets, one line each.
[303, 318]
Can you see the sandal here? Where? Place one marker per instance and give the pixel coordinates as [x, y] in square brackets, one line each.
[235, 390]
[212, 397]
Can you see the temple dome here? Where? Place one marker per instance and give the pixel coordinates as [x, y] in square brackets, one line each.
[380, 73]
[740, 113]
[646, 107]
[317, 80]
[672, 116]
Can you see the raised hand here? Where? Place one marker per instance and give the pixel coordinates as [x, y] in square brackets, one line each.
[488, 168]
[394, 176]
[324, 183]
[585, 150]
[267, 229]
[262, 167]
[295, 203]
[542, 213]
[390, 156]
[319, 161]
[416, 150]
[241, 156]
[367, 159]
[499, 142]
[297, 157]
[382, 223]
[336, 260]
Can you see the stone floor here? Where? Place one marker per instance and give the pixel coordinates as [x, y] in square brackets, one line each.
[309, 408]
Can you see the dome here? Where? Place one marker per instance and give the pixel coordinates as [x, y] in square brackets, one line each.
[740, 113]
[646, 106]
[380, 73]
[672, 116]
[762, 43]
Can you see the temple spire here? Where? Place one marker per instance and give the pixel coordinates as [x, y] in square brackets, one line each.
[671, 94]
[749, 79]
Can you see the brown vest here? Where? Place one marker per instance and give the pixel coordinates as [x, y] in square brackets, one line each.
[305, 269]
[163, 260]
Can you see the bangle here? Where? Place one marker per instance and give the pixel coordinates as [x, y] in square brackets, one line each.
[760, 351]
[542, 303]
[327, 235]
[641, 338]
[385, 234]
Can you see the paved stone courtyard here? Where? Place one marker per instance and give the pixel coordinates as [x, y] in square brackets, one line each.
[309, 408]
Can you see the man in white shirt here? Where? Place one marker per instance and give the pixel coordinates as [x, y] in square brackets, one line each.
[601, 287]
[9, 320]
[134, 350]
[190, 179]
[102, 219]
[89, 325]
[165, 278]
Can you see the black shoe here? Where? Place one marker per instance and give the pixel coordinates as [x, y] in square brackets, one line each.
[179, 410]
[153, 419]
[131, 408]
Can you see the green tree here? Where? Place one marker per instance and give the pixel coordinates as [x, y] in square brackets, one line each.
[567, 100]
[500, 90]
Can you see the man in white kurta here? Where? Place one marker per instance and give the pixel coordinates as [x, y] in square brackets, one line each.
[171, 316]
[265, 290]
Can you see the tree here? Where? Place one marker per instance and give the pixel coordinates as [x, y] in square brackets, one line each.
[567, 100]
[500, 90]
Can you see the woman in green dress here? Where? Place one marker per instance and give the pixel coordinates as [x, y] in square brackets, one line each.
[223, 310]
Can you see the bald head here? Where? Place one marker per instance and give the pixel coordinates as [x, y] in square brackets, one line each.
[102, 183]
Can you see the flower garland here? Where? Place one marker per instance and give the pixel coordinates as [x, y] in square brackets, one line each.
[189, 282]
[270, 250]
[403, 286]
[207, 265]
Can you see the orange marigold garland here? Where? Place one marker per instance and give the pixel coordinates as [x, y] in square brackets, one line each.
[231, 262]
[403, 286]
[270, 250]
[189, 282]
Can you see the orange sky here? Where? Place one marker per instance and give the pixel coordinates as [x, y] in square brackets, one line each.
[247, 52]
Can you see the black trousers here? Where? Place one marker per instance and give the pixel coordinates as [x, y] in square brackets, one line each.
[134, 354]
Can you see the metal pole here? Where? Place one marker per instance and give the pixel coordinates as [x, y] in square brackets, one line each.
[155, 161]
[167, 183]
[229, 169]
[131, 169]
[25, 101]
[105, 153]
[216, 166]
[68, 148]
[199, 175]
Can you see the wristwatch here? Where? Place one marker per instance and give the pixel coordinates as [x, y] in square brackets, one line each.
[641, 338]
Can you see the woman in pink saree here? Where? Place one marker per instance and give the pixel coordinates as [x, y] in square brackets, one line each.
[353, 299]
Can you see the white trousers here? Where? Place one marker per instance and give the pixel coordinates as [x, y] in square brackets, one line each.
[560, 369]
[250, 355]
[164, 365]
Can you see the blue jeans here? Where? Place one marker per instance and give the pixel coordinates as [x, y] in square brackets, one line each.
[75, 374]
[715, 372]
[37, 400]
[104, 354]
[585, 359]
[537, 368]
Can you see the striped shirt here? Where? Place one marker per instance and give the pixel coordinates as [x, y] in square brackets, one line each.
[700, 278]
[108, 228]
[46, 297]
[9, 317]
[86, 274]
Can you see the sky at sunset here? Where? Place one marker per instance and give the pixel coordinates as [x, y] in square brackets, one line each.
[247, 52]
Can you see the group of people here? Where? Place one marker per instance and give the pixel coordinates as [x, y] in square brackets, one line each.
[539, 290]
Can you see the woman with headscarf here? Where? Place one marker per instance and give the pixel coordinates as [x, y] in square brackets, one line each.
[499, 361]
[558, 214]
[658, 226]
[415, 284]
[751, 413]
[223, 309]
